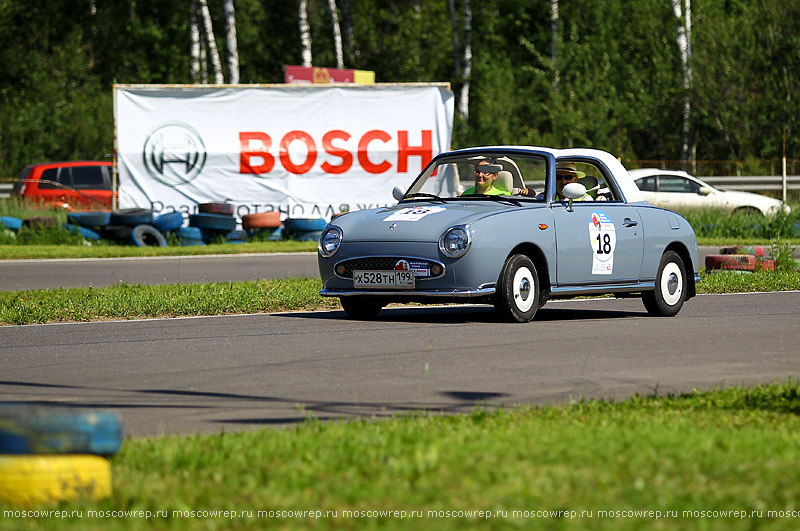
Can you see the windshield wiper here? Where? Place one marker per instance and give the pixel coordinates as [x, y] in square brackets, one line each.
[506, 198]
[421, 195]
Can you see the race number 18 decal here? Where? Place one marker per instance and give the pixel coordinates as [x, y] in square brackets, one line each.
[603, 238]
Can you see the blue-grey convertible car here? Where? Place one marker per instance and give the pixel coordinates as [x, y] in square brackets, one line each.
[511, 226]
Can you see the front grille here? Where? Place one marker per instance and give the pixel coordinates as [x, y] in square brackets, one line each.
[385, 263]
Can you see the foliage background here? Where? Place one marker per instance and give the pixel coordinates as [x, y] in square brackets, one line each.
[620, 84]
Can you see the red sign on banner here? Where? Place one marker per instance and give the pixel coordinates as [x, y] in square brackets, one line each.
[303, 75]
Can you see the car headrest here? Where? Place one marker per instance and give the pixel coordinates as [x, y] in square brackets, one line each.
[504, 181]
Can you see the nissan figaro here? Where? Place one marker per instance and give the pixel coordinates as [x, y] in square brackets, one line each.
[511, 226]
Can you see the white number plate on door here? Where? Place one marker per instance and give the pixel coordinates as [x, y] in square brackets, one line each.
[383, 279]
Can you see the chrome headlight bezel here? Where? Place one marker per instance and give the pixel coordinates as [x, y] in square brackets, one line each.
[463, 233]
[324, 247]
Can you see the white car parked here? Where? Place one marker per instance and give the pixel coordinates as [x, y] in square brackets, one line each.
[678, 190]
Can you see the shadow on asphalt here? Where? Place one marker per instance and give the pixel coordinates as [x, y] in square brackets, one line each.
[469, 314]
[452, 402]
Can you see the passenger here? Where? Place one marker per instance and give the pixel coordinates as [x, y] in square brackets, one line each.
[485, 175]
[566, 173]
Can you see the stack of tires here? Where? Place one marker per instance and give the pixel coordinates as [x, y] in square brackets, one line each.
[263, 225]
[133, 226]
[304, 229]
[740, 258]
[216, 223]
[50, 454]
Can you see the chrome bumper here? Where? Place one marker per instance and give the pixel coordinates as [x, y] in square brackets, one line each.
[480, 292]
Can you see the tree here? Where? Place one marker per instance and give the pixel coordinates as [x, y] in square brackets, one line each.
[231, 44]
[685, 47]
[305, 32]
[337, 33]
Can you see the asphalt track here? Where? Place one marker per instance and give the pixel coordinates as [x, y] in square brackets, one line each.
[207, 374]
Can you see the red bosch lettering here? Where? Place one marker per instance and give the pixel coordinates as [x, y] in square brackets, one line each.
[341, 149]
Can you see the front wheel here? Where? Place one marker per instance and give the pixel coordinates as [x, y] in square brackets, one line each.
[517, 296]
[364, 308]
[667, 299]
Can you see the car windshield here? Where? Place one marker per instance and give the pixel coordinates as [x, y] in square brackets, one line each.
[462, 176]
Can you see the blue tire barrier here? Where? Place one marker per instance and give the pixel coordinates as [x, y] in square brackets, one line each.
[311, 236]
[131, 217]
[117, 233]
[37, 429]
[190, 236]
[304, 224]
[88, 234]
[11, 222]
[89, 219]
[168, 222]
[215, 208]
[189, 233]
[147, 236]
[213, 221]
[277, 235]
[238, 236]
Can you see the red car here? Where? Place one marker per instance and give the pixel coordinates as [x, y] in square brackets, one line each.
[70, 185]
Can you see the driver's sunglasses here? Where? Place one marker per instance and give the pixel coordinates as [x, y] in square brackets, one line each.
[565, 177]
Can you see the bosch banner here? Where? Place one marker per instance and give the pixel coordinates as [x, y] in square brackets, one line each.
[303, 150]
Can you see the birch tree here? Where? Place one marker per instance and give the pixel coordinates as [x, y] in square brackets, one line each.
[554, 40]
[305, 32]
[231, 45]
[337, 33]
[463, 103]
[194, 42]
[684, 38]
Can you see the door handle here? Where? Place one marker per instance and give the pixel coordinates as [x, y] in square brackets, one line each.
[628, 222]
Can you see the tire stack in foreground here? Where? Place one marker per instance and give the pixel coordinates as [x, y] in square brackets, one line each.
[740, 258]
[50, 454]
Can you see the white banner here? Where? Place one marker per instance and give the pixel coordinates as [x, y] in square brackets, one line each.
[306, 150]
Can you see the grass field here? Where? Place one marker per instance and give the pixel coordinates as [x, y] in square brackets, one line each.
[670, 462]
[262, 296]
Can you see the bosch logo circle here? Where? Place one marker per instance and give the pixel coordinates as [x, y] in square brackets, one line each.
[174, 154]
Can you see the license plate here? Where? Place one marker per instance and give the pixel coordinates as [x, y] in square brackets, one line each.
[384, 279]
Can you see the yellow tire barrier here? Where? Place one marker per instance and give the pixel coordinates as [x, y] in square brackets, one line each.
[45, 479]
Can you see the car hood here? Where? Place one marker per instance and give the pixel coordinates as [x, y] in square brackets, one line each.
[413, 221]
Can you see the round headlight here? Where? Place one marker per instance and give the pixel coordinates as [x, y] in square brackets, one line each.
[455, 241]
[330, 241]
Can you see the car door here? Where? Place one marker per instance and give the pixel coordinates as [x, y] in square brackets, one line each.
[598, 241]
[678, 192]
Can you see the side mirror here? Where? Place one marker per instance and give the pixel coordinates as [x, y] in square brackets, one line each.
[704, 191]
[398, 192]
[574, 191]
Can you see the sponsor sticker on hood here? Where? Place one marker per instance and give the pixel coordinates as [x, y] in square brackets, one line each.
[413, 213]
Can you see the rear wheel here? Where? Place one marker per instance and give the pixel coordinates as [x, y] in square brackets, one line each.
[517, 296]
[365, 308]
[667, 298]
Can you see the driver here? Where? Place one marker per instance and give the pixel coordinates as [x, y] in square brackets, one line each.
[485, 175]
